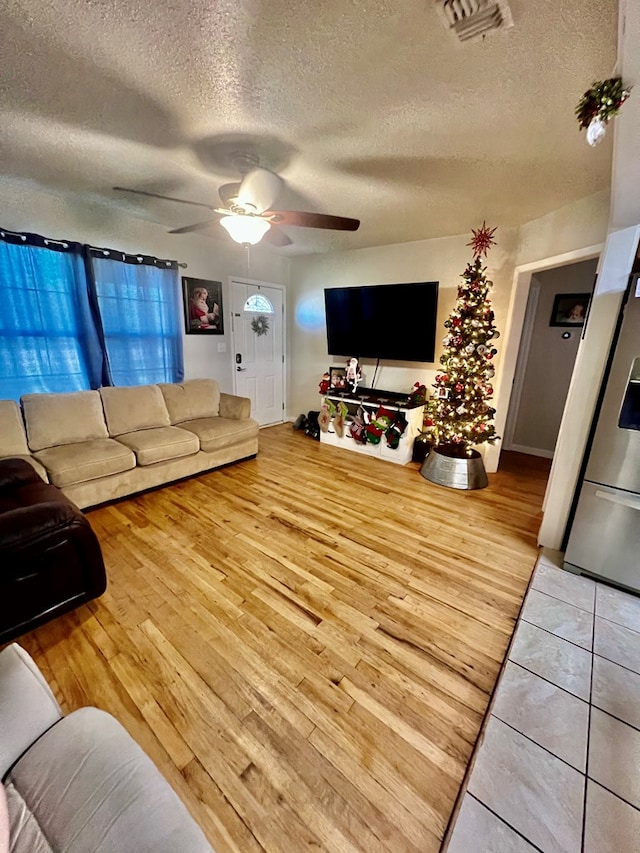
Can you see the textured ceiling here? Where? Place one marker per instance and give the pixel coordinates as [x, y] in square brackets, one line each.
[367, 108]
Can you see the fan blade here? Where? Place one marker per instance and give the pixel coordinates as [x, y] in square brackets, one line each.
[259, 189]
[164, 197]
[277, 237]
[199, 226]
[312, 220]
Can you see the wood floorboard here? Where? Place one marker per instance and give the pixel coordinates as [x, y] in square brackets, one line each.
[306, 642]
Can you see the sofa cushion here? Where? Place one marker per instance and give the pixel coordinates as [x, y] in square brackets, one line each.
[54, 419]
[86, 460]
[218, 433]
[13, 439]
[90, 787]
[195, 398]
[137, 407]
[156, 445]
[233, 406]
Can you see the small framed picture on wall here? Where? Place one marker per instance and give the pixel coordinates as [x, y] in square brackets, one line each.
[202, 306]
[569, 309]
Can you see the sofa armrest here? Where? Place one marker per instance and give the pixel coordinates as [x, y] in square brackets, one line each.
[29, 527]
[28, 708]
[234, 407]
[17, 472]
[91, 787]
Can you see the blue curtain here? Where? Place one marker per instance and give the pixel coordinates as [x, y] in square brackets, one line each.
[48, 339]
[141, 316]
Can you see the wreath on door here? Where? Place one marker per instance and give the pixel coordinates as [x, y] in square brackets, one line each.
[260, 325]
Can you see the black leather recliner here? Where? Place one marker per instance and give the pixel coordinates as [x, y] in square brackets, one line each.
[50, 558]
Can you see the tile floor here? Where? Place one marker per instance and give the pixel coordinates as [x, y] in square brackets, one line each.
[558, 768]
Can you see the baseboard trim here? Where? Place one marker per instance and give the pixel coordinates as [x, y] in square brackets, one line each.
[531, 451]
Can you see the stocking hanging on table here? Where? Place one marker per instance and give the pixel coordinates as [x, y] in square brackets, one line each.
[395, 431]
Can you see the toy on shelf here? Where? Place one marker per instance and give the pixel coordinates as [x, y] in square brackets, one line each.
[353, 375]
[418, 393]
[325, 383]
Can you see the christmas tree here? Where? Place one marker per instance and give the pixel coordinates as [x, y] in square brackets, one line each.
[459, 415]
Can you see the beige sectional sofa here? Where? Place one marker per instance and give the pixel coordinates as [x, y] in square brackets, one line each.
[100, 445]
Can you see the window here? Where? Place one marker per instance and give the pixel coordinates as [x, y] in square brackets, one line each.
[258, 302]
[73, 317]
[141, 316]
[48, 340]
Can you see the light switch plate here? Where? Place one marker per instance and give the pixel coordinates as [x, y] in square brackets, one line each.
[222, 347]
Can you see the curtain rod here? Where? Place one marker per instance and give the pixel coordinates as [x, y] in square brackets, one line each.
[106, 252]
[137, 256]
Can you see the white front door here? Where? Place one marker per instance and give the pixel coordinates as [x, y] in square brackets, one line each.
[258, 347]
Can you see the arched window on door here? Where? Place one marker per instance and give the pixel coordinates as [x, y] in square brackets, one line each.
[258, 302]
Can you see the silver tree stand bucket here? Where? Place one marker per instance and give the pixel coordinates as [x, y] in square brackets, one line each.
[456, 472]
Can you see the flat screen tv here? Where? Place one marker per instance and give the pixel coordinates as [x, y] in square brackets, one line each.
[386, 321]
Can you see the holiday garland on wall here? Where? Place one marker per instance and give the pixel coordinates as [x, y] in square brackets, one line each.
[599, 105]
[459, 416]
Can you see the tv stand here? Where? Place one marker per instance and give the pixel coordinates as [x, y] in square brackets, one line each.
[371, 399]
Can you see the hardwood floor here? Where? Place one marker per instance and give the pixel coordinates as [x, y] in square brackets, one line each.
[305, 643]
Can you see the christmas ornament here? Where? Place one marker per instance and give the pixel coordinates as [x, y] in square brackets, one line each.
[596, 131]
[599, 105]
[482, 240]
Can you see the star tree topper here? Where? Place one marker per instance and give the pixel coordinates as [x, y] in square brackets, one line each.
[482, 240]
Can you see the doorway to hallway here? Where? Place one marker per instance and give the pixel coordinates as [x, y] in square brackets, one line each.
[548, 348]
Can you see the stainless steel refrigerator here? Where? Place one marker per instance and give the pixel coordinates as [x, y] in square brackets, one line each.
[605, 534]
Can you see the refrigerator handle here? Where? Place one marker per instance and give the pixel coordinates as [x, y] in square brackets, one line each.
[631, 501]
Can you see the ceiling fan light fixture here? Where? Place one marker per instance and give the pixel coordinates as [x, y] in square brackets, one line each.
[245, 229]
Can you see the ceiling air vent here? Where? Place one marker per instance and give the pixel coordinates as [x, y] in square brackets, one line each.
[474, 19]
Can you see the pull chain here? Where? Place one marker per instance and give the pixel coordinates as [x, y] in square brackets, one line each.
[248, 248]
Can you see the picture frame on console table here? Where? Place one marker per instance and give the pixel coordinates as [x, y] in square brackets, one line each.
[202, 306]
[337, 378]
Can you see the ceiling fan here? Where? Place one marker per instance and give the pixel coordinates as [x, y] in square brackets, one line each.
[246, 213]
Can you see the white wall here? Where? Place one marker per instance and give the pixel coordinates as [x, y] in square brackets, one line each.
[549, 361]
[60, 216]
[583, 223]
